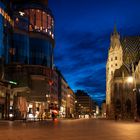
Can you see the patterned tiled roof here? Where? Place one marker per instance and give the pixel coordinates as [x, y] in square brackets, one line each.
[131, 49]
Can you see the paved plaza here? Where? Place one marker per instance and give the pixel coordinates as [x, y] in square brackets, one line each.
[89, 129]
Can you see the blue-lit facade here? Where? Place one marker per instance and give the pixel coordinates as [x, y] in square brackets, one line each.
[27, 44]
[20, 39]
[1, 31]
[41, 52]
[33, 35]
[6, 24]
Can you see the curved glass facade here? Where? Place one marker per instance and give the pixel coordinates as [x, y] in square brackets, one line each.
[40, 21]
[6, 24]
[41, 52]
[21, 48]
[1, 32]
[33, 36]
[20, 39]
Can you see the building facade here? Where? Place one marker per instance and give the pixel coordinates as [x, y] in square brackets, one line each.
[6, 25]
[123, 57]
[26, 51]
[30, 86]
[114, 62]
[84, 104]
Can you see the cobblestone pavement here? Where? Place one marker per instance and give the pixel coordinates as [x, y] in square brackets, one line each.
[70, 130]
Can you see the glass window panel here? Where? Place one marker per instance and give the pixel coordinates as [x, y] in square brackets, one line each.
[44, 20]
[49, 22]
[32, 17]
[38, 18]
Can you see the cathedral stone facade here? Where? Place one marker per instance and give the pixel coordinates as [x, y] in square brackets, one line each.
[122, 96]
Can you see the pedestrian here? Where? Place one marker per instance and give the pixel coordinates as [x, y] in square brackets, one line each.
[53, 116]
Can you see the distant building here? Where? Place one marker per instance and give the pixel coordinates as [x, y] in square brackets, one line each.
[97, 111]
[70, 103]
[103, 109]
[84, 103]
[121, 95]
[66, 98]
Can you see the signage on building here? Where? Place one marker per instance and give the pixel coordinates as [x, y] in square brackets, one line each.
[6, 16]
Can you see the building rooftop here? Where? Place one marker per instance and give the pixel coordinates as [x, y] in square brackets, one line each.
[131, 49]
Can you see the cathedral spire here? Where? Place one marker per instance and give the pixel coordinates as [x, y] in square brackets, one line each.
[115, 29]
[115, 38]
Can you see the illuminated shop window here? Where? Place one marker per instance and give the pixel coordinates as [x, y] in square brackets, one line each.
[38, 19]
[44, 20]
[49, 22]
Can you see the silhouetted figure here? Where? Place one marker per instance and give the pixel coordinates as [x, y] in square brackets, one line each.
[53, 116]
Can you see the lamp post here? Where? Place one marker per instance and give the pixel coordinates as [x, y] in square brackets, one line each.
[47, 97]
[75, 108]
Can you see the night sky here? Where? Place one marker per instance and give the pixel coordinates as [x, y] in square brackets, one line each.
[82, 30]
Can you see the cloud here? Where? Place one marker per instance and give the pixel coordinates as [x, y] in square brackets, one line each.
[83, 35]
[83, 61]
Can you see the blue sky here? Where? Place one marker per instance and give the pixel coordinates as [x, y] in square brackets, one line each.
[82, 33]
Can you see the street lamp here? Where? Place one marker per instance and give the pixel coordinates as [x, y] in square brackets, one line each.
[75, 108]
[68, 95]
[130, 79]
[75, 102]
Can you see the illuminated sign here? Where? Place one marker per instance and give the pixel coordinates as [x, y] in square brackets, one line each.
[12, 82]
[6, 16]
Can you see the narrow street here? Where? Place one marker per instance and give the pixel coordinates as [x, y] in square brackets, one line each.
[70, 130]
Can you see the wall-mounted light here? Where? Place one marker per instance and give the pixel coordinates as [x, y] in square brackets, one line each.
[21, 13]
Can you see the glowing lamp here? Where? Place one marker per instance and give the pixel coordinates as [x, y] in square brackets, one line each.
[130, 79]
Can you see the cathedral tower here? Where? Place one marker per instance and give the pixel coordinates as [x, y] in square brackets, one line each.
[115, 56]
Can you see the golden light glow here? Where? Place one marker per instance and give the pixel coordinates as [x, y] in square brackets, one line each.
[130, 79]
[6, 16]
[21, 13]
[68, 95]
[75, 101]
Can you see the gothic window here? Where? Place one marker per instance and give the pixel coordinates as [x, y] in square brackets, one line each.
[116, 58]
[116, 64]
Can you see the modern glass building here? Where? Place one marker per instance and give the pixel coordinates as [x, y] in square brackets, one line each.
[33, 34]
[1, 30]
[20, 38]
[6, 24]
